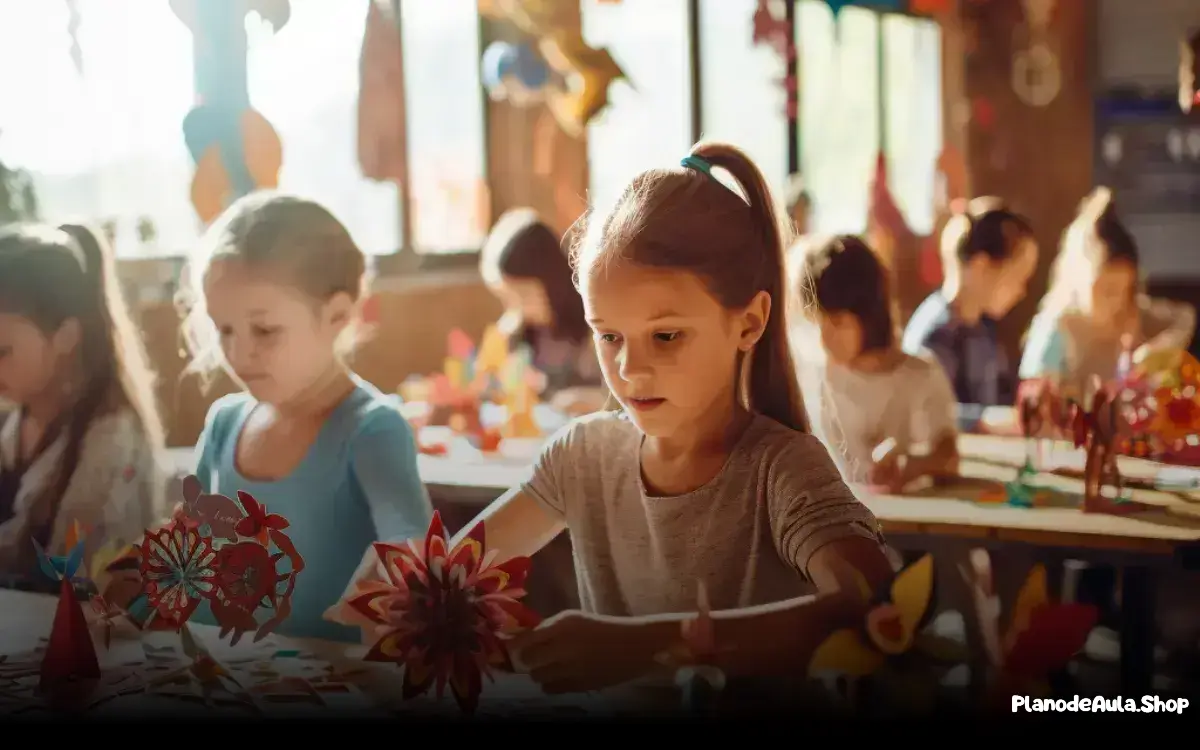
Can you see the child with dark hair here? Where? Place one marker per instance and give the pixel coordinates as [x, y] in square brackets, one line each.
[83, 445]
[1094, 311]
[525, 266]
[890, 415]
[989, 255]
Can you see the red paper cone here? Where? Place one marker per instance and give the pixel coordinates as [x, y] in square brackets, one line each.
[70, 654]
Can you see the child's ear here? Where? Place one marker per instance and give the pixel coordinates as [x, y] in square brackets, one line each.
[754, 320]
[339, 310]
[67, 338]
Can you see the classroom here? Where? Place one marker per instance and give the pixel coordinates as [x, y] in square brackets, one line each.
[542, 360]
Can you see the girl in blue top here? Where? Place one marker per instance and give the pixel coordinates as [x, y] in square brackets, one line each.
[309, 439]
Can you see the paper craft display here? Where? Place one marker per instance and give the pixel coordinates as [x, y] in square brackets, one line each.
[469, 378]
[1040, 415]
[892, 663]
[69, 667]
[694, 659]
[587, 72]
[1097, 432]
[1039, 640]
[442, 613]
[1161, 398]
[514, 73]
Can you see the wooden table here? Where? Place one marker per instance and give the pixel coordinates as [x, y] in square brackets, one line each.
[27, 617]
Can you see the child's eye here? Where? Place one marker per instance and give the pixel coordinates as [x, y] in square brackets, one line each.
[668, 337]
[5, 351]
[607, 338]
[265, 331]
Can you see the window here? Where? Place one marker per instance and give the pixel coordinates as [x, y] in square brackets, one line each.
[743, 100]
[839, 116]
[912, 79]
[102, 141]
[446, 129]
[311, 98]
[647, 123]
[844, 106]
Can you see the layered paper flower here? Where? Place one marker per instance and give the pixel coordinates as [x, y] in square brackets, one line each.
[443, 613]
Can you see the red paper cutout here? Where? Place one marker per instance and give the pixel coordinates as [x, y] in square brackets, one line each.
[442, 613]
[70, 654]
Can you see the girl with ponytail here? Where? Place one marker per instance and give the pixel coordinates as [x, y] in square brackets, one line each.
[83, 441]
[708, 475]
[1094, 312]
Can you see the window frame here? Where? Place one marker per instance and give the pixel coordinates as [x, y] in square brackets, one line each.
[408, 261]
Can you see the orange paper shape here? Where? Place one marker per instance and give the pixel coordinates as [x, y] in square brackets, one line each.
[442, 613]
[589, 73]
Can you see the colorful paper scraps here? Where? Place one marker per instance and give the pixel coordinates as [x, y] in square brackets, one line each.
[69, 667]
[472, 376]
[890, 649]
[442, 613]
[1041, 637]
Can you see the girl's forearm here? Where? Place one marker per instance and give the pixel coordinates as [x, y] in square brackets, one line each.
[942, 461]
[767, 640]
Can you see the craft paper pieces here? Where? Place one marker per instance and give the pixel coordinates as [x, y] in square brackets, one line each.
[69, 664]
[1041, 636]
[1097, 431]
[890, 647]
[442, 613]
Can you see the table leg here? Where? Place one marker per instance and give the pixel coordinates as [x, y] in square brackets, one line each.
[1137, 630]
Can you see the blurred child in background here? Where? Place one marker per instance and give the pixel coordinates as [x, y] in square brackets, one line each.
[989, 255]
[1094, 311]
[525, 266]
[84, 442]
[888, 414]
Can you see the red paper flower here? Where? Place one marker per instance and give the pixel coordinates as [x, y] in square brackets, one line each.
[246, 576]
[441, 613]
[177, 570]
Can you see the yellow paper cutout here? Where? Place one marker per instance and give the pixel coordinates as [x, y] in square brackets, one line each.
[1033, 594]
[493, 352]
[912, 592]
[845, 651]
[589, 73]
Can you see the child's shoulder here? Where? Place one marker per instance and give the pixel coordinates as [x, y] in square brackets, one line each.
[593, 432]
[931, 317]
[368, 410]
[776, 443]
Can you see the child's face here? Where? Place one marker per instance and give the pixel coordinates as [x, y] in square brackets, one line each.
[277, 341]
[1008, 281]
[1113, 292]
[841, 336]
[524, 297]
[668, 349]
[31, 361]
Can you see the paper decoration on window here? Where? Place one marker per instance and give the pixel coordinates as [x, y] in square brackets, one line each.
[235, 149]
[588, 72]
[515, 73]
[381, 98]
[1036, 71]
[776, 32]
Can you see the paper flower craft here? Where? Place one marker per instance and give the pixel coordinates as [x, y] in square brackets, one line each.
[1041, 636]
[236, 558]
[890, 647]
[69, 666]
[442, 613]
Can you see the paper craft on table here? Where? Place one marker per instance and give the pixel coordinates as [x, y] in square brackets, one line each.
[442, 613]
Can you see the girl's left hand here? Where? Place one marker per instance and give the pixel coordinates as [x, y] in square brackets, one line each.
[576, 652]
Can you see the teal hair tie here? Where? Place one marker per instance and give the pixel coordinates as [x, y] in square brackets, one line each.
[696, 163]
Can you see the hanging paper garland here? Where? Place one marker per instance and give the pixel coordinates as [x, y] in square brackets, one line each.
[777, 33]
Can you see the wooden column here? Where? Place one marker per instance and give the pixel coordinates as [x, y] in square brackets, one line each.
[1038, 158]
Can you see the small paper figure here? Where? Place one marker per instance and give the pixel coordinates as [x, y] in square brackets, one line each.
[890, 647]
[441, 612]
[694, 659]
[1097, 432]
[70, 656]
[1041, 637]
